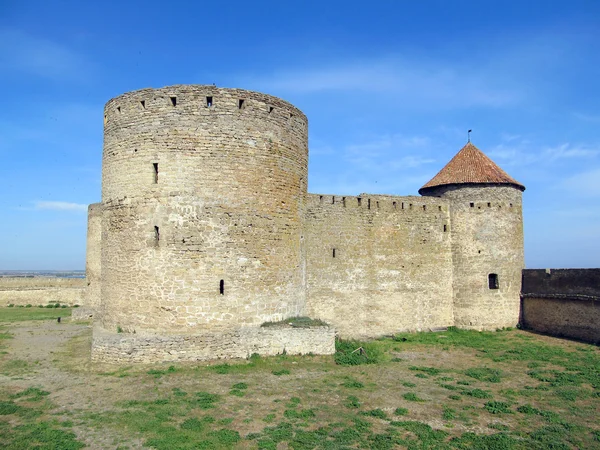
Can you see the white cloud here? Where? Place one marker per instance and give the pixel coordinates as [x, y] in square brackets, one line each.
[23, 52]
[409, 81]
[521, 153]
[587, 117]
[60, 206]
[584, 183]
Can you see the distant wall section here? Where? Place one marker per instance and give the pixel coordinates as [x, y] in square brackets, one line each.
[41, 290]
[93, 256]
[378, 264]
[562, 302]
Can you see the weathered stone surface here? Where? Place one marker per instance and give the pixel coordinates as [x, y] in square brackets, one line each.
[562, 302]
[241, 343]
[207, 230]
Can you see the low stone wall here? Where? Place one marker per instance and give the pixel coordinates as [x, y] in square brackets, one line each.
[41, 290]
[563, 317]
[111, 347]
[562, 302]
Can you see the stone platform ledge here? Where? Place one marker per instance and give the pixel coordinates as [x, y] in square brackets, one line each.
[82, 313]
[111, 347]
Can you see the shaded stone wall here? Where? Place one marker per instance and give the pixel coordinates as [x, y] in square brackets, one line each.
[392, 269]
[203, 193]
[41, 290]
[93, 256]
[241, 343]
[487, 238]
[562, 302]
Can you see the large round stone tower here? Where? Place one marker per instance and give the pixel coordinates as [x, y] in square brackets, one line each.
[203, 195]
[487, 239]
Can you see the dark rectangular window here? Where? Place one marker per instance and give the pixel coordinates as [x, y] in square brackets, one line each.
[472, 205]
[209, 102]
[222, 287]
[155, 166]
[240, 104]
[445, 228]
[156, 234]
[143, 103]
[334, 252]
[493, 281]
[271, 109]
[174, 101]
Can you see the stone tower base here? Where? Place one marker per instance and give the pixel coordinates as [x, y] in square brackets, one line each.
[109, 347]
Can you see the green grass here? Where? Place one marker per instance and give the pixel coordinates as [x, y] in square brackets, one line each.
[506, 390]
[23, 314]
[297, 322]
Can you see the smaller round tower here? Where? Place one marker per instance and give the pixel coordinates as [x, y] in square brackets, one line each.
[487, 238]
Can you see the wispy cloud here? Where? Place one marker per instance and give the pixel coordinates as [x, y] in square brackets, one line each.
[416, 82]
[524, 153]
[60, 206]
[585, 183]
[24, 53]
[593, 118]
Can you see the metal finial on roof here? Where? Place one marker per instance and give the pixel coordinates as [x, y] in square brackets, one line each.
[469, 136]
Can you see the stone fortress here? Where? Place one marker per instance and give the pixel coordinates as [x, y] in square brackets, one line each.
[206, 231]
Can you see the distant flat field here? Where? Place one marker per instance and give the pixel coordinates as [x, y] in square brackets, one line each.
[508, 389]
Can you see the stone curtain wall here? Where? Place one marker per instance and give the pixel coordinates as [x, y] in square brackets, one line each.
[487, 238]
[203, 193]
[242, 343]
[392, 269]
[562, 302]
[93, 256]
[41, 291]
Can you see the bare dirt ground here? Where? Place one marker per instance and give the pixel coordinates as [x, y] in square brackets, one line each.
[97, 399]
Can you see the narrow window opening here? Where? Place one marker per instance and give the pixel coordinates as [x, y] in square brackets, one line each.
[222, 287]
[369, 204]
[472, 205]
[410, 206]
[439, 208]
[271, 109]
[174, 101]
[334, 252]
[143, 103]
[344, 201]
[320, 199]
[394, 204]
[119, 109]
[209, 102]
[445, 228]
[105, 119]
[359, 201]
[489, 205]
[155, 166]
[156, 234]
[510, 205]
[402, 205]
[241, 103]
[377, 205]
[333, 199]
[424, 207]
[493, 281]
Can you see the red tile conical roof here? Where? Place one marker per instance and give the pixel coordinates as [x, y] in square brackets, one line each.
[470, 166]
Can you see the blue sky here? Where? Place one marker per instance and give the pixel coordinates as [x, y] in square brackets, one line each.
[390, 89]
